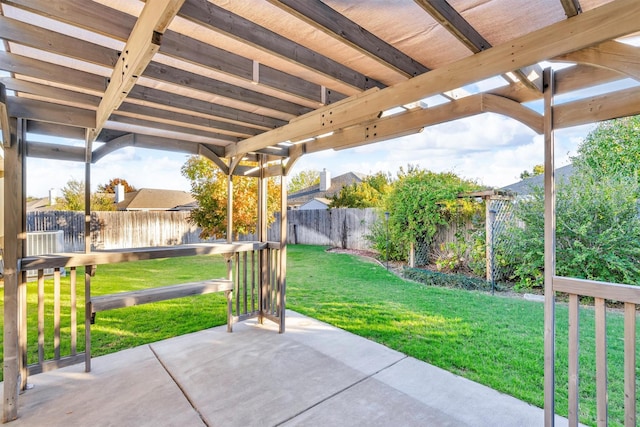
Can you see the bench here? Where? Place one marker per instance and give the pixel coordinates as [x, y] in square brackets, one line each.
[144, 296]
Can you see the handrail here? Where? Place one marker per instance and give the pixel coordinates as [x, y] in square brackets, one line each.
[113, 256]
[595, 289]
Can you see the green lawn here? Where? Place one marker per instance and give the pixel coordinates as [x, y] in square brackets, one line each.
[497, 341]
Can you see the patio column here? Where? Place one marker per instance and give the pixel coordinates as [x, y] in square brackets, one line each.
[87, 192]
[549, 249]
[283, 249]
[15, 339]
[262, 237]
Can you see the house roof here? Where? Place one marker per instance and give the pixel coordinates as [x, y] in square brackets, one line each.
[242, 79]
[314, 192]
[523, 187]
[155, 199]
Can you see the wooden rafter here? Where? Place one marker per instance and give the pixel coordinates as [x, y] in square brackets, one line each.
[54, 113]
[142, 45]
[446, 15]
[117, 25]
[218, 19]
[571, 7]
[583, 30]
[319, 15]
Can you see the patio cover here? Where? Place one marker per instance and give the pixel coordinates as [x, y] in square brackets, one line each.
[273, 80]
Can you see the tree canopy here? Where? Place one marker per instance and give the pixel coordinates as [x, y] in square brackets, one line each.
[367, 194]
[209, 188]
[73, 198]
[110, 187]
[302, 180]
[537, 170]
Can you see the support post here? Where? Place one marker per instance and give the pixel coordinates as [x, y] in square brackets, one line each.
[262, 237]
[14, 286]
[229, 258]
[549, 249]
[87, 193]
[282, 288]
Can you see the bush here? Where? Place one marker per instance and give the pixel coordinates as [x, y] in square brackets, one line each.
[459, 281]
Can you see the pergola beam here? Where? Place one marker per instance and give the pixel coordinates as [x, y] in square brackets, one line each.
[49, 112]
[336, 25]
[606, 22]
[117, 25]
[142, 45]
[45, 150]
[221, 20]
[530, 76]
[613, 55]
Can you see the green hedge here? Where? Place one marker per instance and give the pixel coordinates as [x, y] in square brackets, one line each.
[446, 280]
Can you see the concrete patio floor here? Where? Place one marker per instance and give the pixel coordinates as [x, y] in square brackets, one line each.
[313, 375]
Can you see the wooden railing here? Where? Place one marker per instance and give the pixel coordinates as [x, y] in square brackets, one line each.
[601, 292]
[250, 269]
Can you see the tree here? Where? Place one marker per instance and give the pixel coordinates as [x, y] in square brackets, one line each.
[303, 179]
[537, 170]
[612, 149]
[110, 187]
[209, 188]
[597, 214]
[366, 194]
[73, 198]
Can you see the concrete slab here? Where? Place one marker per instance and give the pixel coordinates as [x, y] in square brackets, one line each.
[129, 388]
[312, 375]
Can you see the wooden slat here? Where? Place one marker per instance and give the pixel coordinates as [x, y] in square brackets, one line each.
[323, 17]
[56, 313]
[88, 316]
[134, 254]
[46, 150]
[50, 92]
[74, 310]
[237, 281]
[608, 21]
[55, 129]
[601, 362]
[574, 359]
[144, 296]
[50, 112]
[216, 18]
[630, 365]
[245, 290]
[595, 289]
[40, 316]
[141, 46]
[51, 365]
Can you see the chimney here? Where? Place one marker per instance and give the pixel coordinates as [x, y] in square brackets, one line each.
[119, 193]
[325, 180]
[53, 195]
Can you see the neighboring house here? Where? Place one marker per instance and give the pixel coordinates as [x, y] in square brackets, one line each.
[152, 199]
[523, 188]
[319, 196]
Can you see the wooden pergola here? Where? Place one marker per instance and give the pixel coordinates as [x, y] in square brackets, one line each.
[271, 80]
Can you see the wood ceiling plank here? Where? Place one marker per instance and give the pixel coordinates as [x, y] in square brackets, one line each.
[218, 19]
[172, 128]
[184, 78]
[607, 22]
[179, 101]
[50, 92]
[157, 114]
[336, 25]
[18, 64]
[115, 24]
[141, 46]
[52, 113]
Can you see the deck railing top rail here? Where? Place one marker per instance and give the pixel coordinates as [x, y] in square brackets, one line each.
[114, 256]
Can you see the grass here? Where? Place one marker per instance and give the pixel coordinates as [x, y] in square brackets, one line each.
[497, 341]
